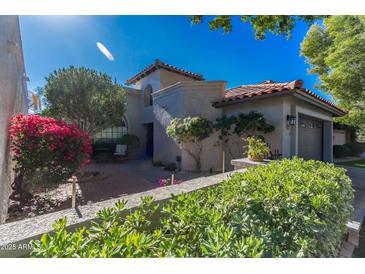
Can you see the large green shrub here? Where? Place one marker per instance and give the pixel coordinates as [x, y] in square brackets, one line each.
[351, 149]
[340, 151]
[289, 208]
[355, 148]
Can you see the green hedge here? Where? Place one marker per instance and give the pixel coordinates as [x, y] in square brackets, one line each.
[289, 208]
[351, 149]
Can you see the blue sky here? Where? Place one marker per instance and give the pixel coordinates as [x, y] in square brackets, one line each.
[52, 42]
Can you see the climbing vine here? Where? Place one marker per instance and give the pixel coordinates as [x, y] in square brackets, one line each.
[239, 125]
[189, 132]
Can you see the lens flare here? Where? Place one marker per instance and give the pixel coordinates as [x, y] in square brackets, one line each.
[105, 51]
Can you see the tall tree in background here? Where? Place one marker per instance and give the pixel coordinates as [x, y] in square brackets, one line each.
[85, 97]
[336, 53]
[276, 24]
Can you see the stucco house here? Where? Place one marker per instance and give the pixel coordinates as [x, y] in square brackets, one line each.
[160, 92]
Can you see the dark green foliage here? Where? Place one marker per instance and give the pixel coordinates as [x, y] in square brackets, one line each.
[289, 208]
[130, 140]
[340, 151]
[254, 121]
[351, 149]
[262, 24]
[85, 97]
[355, 148]
[242, 123]
[335, 51]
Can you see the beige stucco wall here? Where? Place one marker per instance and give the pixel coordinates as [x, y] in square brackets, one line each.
[159, 79]
[272, 109]
[190, 98]
[13, 98]
[168, 78]
[165, 150]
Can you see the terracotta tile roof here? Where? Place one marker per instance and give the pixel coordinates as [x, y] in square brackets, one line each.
[159, 64]
[267, 87]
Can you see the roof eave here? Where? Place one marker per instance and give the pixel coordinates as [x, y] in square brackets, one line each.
[159, 65]
[248, 99]
[337, 112]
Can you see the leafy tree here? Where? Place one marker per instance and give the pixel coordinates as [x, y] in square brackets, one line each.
[188, 133]
[276, 24]
[85, 97]
[336, 53]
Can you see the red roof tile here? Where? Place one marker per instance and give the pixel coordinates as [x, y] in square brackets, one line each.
[267, 87]
[159, 64]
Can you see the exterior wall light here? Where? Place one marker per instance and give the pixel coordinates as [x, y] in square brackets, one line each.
[292, 120]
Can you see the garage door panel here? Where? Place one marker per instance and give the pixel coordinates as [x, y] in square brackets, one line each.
[310, 139]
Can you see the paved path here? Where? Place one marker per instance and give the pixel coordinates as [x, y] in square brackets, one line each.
[357, 176]
[127, 178]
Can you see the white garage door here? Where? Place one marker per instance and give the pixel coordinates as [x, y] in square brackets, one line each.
[310, 139]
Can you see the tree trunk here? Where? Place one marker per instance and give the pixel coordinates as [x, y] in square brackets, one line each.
[196, 157]
[19, 193]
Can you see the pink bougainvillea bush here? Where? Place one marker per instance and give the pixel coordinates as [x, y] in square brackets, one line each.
[46, 150]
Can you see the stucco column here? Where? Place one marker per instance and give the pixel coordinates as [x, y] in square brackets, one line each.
[327, 141]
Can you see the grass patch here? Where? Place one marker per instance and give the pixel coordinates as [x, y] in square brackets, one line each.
[357, 163]
[360, 251]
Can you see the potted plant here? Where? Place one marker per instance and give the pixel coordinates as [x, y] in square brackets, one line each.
[257, 149]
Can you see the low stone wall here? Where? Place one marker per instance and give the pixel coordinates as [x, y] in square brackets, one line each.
[245, 162]
[15, 236]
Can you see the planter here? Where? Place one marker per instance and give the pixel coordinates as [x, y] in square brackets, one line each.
[256, 159]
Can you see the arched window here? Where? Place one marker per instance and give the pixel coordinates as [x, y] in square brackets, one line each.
[111, 135]
[148, 95]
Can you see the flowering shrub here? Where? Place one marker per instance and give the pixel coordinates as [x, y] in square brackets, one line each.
[46, 150]
[288, 208]
[167, 182]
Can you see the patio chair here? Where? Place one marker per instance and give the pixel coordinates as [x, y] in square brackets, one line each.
[120, 152]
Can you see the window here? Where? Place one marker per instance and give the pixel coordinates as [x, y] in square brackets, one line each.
[148, 95]
[111, 135]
